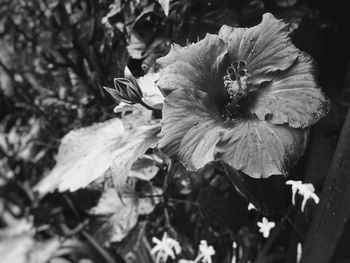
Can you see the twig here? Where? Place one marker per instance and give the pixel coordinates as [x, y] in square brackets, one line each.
[295, 228]
[103, 252]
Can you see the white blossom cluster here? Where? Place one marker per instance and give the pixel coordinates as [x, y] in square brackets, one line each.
[306, 190]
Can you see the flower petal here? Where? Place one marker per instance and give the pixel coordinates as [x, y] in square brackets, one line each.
[190, 128]
[293, 97]
[195, 133]
[260, 149]
[179, 75]
[266, 48]
[204, 60]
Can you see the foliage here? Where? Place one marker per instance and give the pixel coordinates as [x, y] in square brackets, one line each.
[96, 173]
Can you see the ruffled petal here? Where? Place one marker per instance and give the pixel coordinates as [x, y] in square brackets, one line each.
[293, 97]
[198, 63]
[190, 128]
[266, 48]
[195, 134]
[181, 75]
[261, 149]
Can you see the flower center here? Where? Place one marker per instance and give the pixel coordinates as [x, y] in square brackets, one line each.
[235, 82]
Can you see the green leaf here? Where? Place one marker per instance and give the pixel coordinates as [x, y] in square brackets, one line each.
[86, 154]
[146, 167]
[139, 140]
[83, 156]
[119, 216]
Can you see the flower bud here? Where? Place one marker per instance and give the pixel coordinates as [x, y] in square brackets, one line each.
[126, 89]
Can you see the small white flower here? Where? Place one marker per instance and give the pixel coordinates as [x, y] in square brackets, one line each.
[295, 185]
[167, 247]
[265, 227]
[299, 252]
[306, 190]
[205, 252]
[234, 247]
[251, 207]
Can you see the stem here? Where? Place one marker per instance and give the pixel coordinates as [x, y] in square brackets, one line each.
[144, 104]
[168, 175]
[295, 228]
[273, 237]
[103, 252]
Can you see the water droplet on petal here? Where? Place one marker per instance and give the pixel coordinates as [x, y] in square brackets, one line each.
[195, 123]
[272, 162]
[262, 147]
[251, 154]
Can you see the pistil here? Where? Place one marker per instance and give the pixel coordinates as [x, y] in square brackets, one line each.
[235, 82]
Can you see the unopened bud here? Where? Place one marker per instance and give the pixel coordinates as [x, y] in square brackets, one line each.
[126, 89]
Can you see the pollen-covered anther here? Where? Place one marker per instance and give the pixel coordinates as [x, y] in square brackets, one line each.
[235, 81]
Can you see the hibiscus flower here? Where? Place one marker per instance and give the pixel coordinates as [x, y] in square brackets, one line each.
[245, 96]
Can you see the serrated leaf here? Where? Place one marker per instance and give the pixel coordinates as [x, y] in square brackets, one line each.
[119, 216]
[140, 139]
[145, 167]
[87, 154]
[83, 156]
